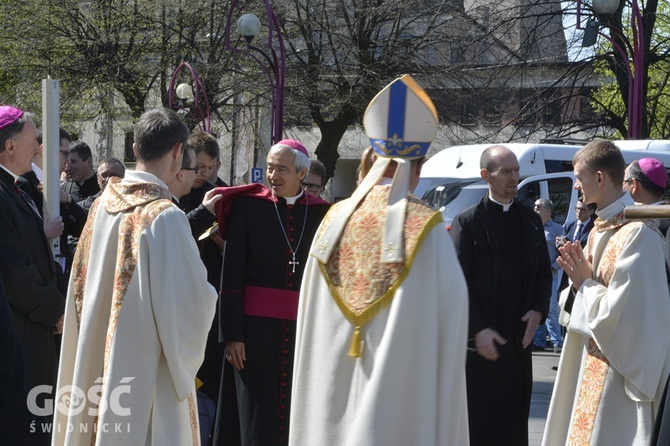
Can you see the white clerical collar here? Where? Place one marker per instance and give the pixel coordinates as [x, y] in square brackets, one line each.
[385, 181]
[16, 177]
[505, 206]
[659, 202]
[292, 200]
[615, 208]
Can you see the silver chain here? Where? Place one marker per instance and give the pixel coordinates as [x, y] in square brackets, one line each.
[304, 223]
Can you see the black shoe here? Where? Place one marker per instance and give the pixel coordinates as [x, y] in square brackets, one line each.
[538, 348]
[557, 348]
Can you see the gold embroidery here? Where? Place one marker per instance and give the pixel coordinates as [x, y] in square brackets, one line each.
[80, 264]
[612, 250]
[596, 365]
[359, 282]
[143, 204]
[614, 222]
[590, 393]
[131, 227]
[193, 416]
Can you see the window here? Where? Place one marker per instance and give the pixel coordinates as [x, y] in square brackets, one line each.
[560, 192]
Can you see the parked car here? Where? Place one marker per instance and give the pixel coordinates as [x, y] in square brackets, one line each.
[451, 181]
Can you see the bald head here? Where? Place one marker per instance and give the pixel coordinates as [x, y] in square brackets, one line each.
[492, 156]
[500, 169]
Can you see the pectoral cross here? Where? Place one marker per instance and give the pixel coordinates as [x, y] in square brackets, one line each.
[294, 263]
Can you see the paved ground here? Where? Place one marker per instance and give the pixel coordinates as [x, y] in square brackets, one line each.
[543, 384]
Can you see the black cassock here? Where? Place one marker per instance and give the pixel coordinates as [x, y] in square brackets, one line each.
[254, 404]
[506, 264]
[29, 274]
[200, 219]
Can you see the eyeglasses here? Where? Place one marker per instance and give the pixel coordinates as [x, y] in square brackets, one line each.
[312, 187]
[195, 169]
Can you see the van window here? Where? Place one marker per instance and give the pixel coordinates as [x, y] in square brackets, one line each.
[530, 192]
[552, 166]
[442, 191]
[559, 191]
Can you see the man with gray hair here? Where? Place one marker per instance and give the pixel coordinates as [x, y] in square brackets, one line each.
[26, 264]
[552, 230]
[268, 232]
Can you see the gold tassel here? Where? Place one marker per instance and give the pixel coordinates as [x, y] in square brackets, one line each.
[355, 350]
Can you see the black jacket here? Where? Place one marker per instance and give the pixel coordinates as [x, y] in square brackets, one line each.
[584, 237]
[476, 243]
[29, 274]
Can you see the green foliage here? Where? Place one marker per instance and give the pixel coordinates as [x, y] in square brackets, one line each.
[608, 101]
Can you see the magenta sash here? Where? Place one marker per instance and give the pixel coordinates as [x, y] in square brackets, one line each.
[270, 302]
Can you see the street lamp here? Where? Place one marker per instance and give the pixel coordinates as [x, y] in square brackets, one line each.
[271, 60]
[631, 54]
[191, 100]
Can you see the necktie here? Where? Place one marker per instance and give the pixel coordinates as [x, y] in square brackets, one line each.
[16, 188]
[578, 231]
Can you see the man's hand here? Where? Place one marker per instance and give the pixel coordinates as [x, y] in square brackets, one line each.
[236, 354]
[485, 343]
[53, 227]
[532, 320]
[58, 328]
[210, 199]
[575, 264]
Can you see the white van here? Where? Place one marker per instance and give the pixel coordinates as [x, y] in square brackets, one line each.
[450, 179]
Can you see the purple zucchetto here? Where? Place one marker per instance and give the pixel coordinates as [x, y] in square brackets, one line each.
[654, 170]
[292, 143]
[9, 115]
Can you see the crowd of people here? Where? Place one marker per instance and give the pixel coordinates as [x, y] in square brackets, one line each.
[179, 310]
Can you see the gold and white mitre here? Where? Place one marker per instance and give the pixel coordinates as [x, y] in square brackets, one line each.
[365, 256]
[401, 122]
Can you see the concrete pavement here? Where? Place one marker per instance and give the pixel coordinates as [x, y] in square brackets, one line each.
[543, 384]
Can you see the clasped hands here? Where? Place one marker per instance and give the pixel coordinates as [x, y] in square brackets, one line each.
[575, 263]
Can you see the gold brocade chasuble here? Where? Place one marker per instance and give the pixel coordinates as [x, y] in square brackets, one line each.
[359, 282]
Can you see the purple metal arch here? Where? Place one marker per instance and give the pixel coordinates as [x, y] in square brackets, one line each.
[271, 62]
[200, 116]
[634, 60]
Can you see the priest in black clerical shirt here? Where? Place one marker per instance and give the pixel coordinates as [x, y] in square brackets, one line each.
[79, 169]
[502, 249]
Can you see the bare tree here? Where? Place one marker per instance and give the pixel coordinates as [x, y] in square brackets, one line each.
[497, 70]
[343, 52]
